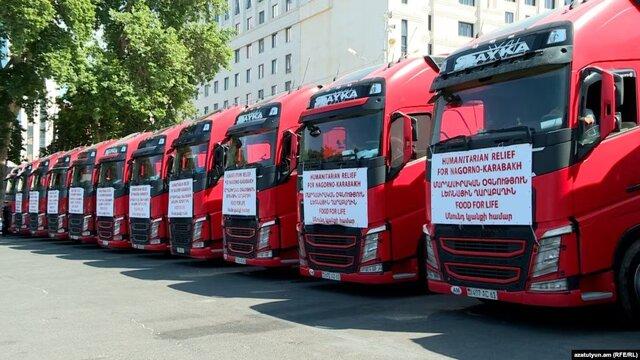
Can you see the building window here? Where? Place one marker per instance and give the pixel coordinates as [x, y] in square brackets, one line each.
[236, 7]
[287, 86]
[248, 76]
[249, 22]
[530, 2]
[550, 4]
[429, 22]
[465, 29]
[260, 71]
[467, 2]
[237, 28]
[236, 78]
[274, 89]
[287, 34]
[248, 4]
[225, 104]
[261, 17]
[430, 49]
[215, 106]
[248, 51]
[405, 1]
[260, 94]
[206, 90]
[274, 66]
[275, 10]
[288, 5]
[568, 2]
[287, 64]
[236, 56]
[404, 37]
[226, 15]
[508, 17]
[236, 101]
[248, 98]
[215, 87]
[260, 46]
[274, 40]
[226, 83]
[205, 111]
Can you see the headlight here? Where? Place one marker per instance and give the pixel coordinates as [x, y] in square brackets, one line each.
[370, 250]
[547, 257]
[155, 228]
[85, 223]
[197, 229]
[61, 221]
[116, 226]
[263, 240]
[40, 220]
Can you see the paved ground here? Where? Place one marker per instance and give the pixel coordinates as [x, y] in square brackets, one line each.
[60, 300]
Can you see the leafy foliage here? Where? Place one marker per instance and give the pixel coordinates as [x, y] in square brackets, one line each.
[123, 65]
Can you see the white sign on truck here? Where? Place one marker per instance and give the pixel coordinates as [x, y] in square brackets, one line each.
[104, 201]
[34, 201]
[76, 200]
[181, 198]
[336, 197]
[140, 201]
[53, 198]
[483, 187]
[18, 203]
[239, 192]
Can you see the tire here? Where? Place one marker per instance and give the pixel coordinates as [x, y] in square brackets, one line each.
[628, 280]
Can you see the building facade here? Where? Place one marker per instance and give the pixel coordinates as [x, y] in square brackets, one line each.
[38, 134]
[282, 44]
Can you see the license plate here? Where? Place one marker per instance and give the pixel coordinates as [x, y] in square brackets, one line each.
[241, 260]
[136, 246]
[482, 293]
[105, 243]
[331, 276]
[180, 250]
[74, 237]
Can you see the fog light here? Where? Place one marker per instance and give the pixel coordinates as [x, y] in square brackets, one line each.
[265, 254]
[375, 268]
[154, 241]
[433, 275]
[198, 245]
[550, 286]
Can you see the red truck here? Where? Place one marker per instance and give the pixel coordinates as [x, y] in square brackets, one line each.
[22, 198]
[259, 191]
[148, 190]
[9, 202]
[362, 166]
[112, 192]
[534, 195]
[82, 193]
[195, 192]
[58, 194]
[38, 196]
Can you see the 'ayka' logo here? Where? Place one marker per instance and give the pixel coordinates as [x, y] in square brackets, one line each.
[504, 50]
[250, 117]
[336, 97]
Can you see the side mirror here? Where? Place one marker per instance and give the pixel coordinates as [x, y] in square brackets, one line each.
[293, 149]
[289, 157]
[608, 105]
[217, 169]
[400, 142]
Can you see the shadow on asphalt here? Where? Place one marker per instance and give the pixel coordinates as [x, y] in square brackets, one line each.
[456, 327]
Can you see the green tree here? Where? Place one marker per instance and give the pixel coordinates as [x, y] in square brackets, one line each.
[123, 65]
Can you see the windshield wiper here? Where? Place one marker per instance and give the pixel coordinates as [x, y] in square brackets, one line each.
[518, 128]
[455, 138]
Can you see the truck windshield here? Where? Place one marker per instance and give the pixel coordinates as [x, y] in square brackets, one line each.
[20, 186]
[191, 158]
[147, 169]
[111, 173]
[349, 138]
[252, 149]
[36, 181]
[538, 102]
[82, 176]
[57, 179]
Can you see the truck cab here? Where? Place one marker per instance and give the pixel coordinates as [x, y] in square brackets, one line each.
[58, 194]
[534, 163]
[195, 190]
[38, 196]
[259, 200]
[82, 193]
[9, 202]
[362, 160]
[149, 190]
[112, 192]
[22, 198]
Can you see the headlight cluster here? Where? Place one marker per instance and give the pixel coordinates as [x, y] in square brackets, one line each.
[155, 229]
[197, 229]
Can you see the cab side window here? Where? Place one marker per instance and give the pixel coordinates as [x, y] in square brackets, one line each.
[626, 108]
[423, 128]
[396, 146]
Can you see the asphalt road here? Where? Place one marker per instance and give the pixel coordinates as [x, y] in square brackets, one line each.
[60, 300]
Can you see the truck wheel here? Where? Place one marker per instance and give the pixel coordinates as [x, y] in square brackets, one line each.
[628, 279]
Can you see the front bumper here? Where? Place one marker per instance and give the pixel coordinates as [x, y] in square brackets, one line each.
[162, 247]
[374, 279]
[266, 262]
[115, 244]
[205, 253]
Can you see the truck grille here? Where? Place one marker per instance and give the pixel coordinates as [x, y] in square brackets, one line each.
[52, 223]
[241, 241]
[75, 224]
[329, 250]
[495, 257]
[181, 231]
[105, 229]
[241, 232]
[18, 221]
[140, 231]
[33, 222]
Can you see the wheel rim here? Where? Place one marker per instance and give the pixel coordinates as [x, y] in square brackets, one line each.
[636, 281]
